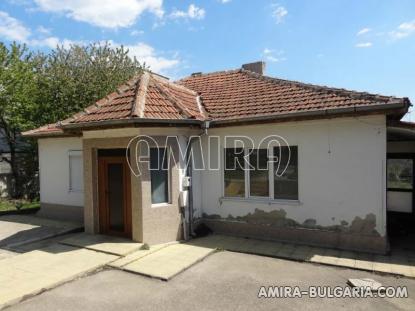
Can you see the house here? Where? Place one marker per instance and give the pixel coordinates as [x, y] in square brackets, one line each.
[334, 189]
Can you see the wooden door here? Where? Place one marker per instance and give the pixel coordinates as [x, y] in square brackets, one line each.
[114, 187]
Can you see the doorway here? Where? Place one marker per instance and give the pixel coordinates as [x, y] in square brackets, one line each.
[400, 200]
[114, 193]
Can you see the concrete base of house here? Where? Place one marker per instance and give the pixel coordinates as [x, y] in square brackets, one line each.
[61, 212]
[314, 237]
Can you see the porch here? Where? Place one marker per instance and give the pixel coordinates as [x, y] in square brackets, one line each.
[149, 211]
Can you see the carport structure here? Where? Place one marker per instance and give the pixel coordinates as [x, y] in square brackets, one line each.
[400, 196]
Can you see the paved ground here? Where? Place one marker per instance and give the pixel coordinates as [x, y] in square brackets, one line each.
[49, 263]
[169, 261]
[103, 243]
[32, 272]
[223, 281]
[401, 262]
[16, 230]
[160, 261]
[61, 260]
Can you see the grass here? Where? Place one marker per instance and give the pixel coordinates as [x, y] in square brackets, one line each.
[16, 205]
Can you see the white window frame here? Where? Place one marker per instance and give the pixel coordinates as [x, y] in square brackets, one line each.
[74, 153]
[222, 171]
[248, 176]
[169, 183]
[271, 179]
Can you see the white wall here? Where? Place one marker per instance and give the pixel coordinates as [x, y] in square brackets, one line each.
[341, 171]
[54, 171]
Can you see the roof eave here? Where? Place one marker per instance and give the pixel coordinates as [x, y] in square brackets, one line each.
[110, 123]
[46, 134]
[396, 107]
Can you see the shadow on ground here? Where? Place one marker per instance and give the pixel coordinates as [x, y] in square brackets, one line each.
[19, 230]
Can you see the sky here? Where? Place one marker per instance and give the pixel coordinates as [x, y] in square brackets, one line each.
[360, 45]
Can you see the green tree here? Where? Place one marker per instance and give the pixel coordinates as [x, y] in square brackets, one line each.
[18, 89]
[37, 88]
[76, 77]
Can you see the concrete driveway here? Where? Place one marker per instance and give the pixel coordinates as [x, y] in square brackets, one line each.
[223, 281]
[63, 259]
[17, 230]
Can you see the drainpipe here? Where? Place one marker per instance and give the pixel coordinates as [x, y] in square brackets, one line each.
[205, 127]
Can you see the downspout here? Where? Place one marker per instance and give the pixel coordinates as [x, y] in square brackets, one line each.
[205, 127]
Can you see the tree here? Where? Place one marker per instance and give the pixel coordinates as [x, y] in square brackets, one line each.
[17, 103]
[37, 89]
[75, 77]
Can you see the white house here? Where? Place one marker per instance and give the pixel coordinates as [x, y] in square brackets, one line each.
[315, 161]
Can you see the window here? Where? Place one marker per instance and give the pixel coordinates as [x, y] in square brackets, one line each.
[258, 173]
[234, 172]
[400, 174]
[159, 173]
[76, 178]
[286, 182]
[276, 179]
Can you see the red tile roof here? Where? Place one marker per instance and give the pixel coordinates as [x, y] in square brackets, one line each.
[146, 96]
[46, 130]
[239, 94]
[233, 95]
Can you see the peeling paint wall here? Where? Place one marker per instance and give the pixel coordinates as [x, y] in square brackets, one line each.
[278, 218]
[341, 174]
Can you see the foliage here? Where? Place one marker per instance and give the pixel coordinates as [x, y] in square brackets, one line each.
[17, 205]
[75, 77]
[17, 105]
[37, 89]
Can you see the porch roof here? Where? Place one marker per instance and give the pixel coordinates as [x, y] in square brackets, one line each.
[401, 131]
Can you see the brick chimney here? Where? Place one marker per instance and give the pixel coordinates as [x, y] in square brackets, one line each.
[257, 67]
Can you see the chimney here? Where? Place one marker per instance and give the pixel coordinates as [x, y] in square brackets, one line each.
[257, 67]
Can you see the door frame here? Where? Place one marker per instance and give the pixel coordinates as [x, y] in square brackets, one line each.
[401, 155]
[103, 209]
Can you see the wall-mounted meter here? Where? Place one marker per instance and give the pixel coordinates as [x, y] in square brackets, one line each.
[186, 181]
[183, 198]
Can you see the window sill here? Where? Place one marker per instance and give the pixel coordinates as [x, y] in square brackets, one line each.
[261, 201]
[75, 191]
[157, 205]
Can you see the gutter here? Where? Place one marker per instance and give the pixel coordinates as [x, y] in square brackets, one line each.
[319, 113]
[205, 126]
[400, 104]
[48, 135]
[86, 125]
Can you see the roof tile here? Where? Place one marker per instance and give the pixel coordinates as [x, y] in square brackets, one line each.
[238, 94]
[224, 95]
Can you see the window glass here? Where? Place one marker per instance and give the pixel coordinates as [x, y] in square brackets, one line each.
[258, 173]
[286, 182]
[159, 175]
[234, 173]
[76, 178]
[400, 174]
